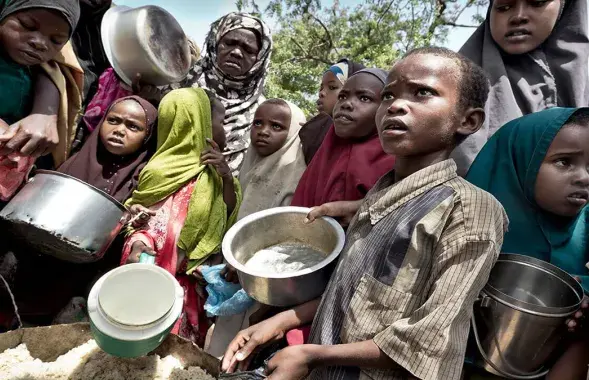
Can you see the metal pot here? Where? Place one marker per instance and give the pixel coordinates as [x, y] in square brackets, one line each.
[61, 216]
[148, 41]
[281, 225]
[520, 319]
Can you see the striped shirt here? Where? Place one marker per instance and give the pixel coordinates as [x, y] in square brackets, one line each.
[417, 255]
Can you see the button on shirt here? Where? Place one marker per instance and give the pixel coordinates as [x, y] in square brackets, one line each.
[417, 255]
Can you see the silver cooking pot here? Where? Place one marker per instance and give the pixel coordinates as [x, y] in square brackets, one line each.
[148, 41]
[283, 225]
[61, 216]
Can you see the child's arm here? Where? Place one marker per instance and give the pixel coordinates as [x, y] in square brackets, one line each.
[238, 352]
[215, 158]
[36, 134]
[229, 195]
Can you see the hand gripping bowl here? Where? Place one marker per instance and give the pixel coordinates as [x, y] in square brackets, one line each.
[148, 41]
[283, 225]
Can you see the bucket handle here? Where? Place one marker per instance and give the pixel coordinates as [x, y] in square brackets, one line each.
[484, 302]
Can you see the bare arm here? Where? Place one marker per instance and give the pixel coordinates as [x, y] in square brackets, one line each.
[270, 330]
[46, 96]
[36, 134]
[229, 195]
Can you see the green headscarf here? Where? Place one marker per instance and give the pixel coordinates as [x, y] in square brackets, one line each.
[507, 167]
[184, 124]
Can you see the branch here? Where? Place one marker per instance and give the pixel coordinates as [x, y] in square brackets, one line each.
[331, 43]
[384, 12]
[307, 58]
[449, 23]
[440, 9]
[459, 13]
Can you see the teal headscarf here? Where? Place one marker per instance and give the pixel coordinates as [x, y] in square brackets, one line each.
[507, 167]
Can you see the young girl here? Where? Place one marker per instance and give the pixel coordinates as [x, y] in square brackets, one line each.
[535, 53]
[351, 159]
[274, 163]
[41, 85]
[536, 166]
[272, 167]
[195, 199]
[314, 131]
[115, 153]
[110, 88]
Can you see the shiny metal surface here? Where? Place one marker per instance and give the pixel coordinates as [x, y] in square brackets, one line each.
[520, 319]
[281, 225]
[148, 41]
[61, 216]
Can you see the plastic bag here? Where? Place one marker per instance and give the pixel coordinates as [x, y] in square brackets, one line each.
[224, 297]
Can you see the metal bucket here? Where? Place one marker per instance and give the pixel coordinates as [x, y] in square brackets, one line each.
[520, 318]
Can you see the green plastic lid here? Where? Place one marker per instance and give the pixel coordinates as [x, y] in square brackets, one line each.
[138, 296]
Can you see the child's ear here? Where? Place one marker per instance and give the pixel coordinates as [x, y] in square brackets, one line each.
[472, 120]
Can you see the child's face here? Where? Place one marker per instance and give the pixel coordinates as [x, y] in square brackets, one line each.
[520, 26]
[270, 128]
[358, 101]
[562, 184]
[419, 111]
[124, 129]
[33, 36]
[328, 92]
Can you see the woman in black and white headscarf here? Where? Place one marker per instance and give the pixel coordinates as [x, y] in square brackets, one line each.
[234, 66]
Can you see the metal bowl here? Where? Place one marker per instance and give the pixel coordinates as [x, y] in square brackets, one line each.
[61, 216]
[283, 225]
[148, 41]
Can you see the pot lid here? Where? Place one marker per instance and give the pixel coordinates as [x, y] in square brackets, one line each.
[138, 296]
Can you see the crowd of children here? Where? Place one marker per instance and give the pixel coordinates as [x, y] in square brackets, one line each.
[434, 168]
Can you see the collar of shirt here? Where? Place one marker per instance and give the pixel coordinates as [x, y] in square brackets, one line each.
[388, 196]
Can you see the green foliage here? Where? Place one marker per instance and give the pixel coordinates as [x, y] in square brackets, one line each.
[310, 37]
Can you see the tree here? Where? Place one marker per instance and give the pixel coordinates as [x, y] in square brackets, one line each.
[310, 37]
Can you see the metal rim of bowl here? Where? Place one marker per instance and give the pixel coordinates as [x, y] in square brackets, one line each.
[543, 311]
[100, 192]
[108, 21]
[282, 210]
[132, 333]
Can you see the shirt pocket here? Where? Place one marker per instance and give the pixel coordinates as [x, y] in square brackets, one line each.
[374, 307]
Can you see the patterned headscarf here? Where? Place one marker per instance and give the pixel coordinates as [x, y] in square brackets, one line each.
[241, 96]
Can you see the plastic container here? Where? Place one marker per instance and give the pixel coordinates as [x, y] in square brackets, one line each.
[133, 308]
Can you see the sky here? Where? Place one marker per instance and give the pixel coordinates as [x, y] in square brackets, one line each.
[195, 16]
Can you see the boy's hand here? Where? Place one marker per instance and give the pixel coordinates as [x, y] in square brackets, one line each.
[137, 249]
[291, 363]
[574, 324]
[239, 351]
[35, 136]
[148, 92]
[230, 274]
[342, 211]
[213, 156]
